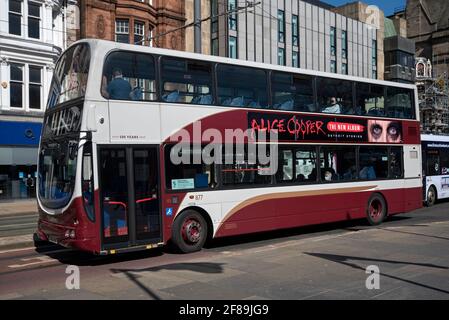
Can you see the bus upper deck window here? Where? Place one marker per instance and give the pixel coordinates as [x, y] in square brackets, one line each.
[334, 96]
[129, 76]
[399, 103]
[241, 86]
[186, 81]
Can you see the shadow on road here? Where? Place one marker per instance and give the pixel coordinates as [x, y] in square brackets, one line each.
[200, 267]
[350, 225]
[345, 260]
[79, 258]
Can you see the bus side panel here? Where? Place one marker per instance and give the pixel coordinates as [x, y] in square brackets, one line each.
[314, 210]
[413, 199]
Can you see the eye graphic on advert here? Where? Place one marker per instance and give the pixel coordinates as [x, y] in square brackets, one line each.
[384, 131]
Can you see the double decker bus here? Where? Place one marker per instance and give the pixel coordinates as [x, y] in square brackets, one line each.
[117, 114]
[435, 155]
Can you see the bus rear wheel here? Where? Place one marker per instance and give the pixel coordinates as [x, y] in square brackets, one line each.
[189, 231]
[376, 211]
[431, 196]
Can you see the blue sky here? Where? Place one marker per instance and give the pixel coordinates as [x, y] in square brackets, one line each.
[387, 6]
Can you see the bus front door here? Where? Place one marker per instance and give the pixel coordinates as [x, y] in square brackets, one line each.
[130, 197]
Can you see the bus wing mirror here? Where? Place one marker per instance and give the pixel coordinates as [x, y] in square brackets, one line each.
[91, 118]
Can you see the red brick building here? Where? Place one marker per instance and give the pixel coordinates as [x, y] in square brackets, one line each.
[133, 21]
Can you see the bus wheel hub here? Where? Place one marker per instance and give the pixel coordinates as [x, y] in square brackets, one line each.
[191, 231]
[375, 209]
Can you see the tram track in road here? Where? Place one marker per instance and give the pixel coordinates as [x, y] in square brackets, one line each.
[18, 224]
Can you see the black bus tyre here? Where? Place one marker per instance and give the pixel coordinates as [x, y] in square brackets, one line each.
[189, 231]
[376, 210]
[431, 196]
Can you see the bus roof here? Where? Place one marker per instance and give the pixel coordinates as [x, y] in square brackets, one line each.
[432, 137]
[111, 45]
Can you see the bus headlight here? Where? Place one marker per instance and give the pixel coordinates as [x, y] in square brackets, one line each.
[69, 234]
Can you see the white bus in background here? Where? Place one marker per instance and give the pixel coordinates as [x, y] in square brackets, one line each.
[435, 167]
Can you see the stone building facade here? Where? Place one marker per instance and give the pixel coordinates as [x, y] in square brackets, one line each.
[428, 26]
[133, 21]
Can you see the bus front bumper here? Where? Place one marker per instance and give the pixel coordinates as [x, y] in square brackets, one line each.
[65, 236]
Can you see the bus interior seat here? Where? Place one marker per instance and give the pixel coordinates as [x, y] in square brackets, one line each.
[172, 96]
[136, 93]
[226, 102]
[254, 104]
[237, 102]
[206, 99]
[287, 105]
[196, 100]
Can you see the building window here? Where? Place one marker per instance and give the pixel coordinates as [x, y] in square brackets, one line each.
[333, 66]
[35, 86]
[281, 56]
[281, 26]
[214, 18]
[295, 59]
[215, 47]
[344, 45]
[139, 33]
[34, 20]
[333, 41]
[344, 68]
[15, 17]
[150, 37]
[16, 85]
[233, 47]
[232, 5]
[295, 30]
[122, 31]
[374, 59]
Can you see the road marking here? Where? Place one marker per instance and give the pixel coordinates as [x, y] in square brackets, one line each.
[41, 259]
[28, 216]
[5, 227]
[17, 250]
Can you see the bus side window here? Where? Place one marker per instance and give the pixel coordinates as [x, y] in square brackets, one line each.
[182, 172]
[396, 162]
[87, 181]
[186, 81]
[373, 163]
[292, 92]
[338, 163]
[129, 76]
[241, 86]
[399, 103]
[334, 96]
[370, 99]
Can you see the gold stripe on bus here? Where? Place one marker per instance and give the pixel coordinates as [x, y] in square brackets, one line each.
[293, 194]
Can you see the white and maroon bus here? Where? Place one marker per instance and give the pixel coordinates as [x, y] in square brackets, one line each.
[347, 148]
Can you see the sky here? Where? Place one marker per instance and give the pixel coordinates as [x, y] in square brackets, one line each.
[387, 6]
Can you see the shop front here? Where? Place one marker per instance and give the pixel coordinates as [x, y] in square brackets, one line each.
[19, 142]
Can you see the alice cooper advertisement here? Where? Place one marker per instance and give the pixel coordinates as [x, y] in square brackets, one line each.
[324, 128]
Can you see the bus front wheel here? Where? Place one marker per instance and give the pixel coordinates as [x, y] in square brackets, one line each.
[189, 231]
[431, 196]
[376, 211]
